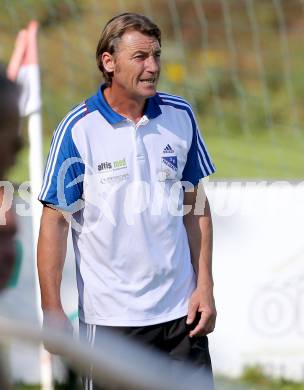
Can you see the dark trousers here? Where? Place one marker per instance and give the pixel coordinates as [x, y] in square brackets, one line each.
[171, 338]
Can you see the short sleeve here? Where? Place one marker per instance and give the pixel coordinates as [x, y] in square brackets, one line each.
[199, 163]
[63, 178]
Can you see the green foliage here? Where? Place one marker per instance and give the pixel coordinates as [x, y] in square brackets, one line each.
[255, 378]
[255, 375]
[16, 14]
[240, 67]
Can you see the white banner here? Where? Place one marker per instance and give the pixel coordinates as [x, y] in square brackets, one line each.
[258, 273]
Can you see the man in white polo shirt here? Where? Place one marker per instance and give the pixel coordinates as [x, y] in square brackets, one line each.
[119, 165]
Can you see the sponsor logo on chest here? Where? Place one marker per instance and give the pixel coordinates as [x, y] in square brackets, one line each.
[112, 166]
[113, 172]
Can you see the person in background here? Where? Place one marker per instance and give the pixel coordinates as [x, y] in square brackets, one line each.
[9, 146]
[143, 269]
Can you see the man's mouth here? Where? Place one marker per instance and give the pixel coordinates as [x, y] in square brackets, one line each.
[148, 81]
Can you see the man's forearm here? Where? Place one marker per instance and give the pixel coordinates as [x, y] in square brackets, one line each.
[199, 231]
[200, 236]
[51, 254]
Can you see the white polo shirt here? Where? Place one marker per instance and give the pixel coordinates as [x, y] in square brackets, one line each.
[122, 183]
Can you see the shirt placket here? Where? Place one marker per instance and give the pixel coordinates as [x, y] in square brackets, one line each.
[140, 150]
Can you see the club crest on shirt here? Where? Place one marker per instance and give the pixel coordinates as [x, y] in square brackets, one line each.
[170, 162]
[168, 168]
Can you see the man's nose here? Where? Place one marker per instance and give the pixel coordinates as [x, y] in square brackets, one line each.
[152, 64]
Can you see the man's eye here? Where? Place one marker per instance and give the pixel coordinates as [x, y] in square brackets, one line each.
[140, 56]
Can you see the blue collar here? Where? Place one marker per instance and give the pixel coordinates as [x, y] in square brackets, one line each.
[152, 109]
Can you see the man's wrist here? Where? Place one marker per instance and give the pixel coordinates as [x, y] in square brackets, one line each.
[205, 285]
[49, 310]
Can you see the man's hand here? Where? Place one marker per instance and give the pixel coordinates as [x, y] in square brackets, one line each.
[202, 303]
[56, 321]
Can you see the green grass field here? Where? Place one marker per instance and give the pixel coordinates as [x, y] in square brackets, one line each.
[256, 157]
[254, 378]
[226, 384]
[220, 384]
[235, 157]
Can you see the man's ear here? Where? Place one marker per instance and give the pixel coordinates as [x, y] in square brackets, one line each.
[107, 61]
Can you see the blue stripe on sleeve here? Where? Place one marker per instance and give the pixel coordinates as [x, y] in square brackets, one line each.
[63, 181]
[56, 141]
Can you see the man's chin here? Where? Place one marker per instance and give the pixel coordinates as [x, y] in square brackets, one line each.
[149, 91]
[144, 93]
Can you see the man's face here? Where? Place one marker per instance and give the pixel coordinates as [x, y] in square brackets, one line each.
[136, 65]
